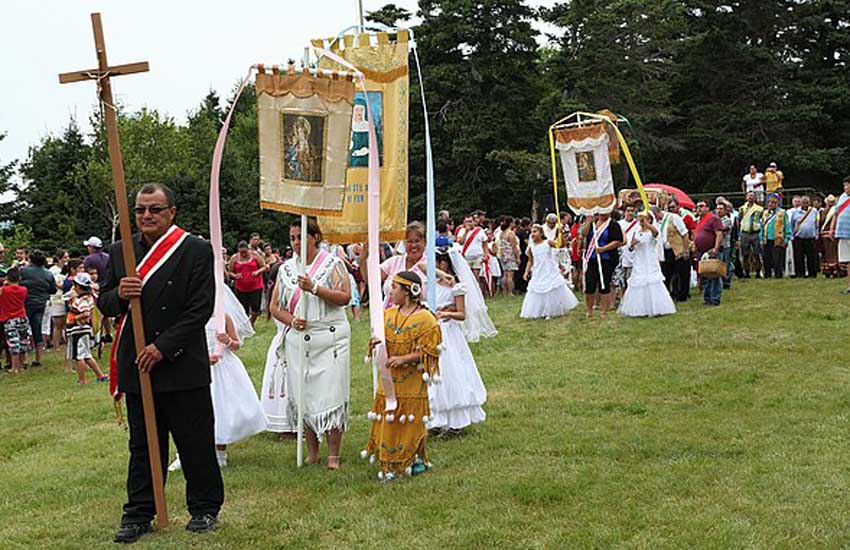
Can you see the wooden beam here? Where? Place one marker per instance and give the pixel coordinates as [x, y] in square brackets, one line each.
[94, 74]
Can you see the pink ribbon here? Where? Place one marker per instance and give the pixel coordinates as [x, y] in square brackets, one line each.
[376, 309]
[215, 216]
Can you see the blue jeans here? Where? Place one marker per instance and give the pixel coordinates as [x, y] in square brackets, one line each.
[725, 255]
[35, 315]
[711, 289]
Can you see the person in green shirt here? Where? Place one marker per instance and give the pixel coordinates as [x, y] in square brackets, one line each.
[750, 214]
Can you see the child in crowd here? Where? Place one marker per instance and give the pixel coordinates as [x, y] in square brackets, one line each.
[79, 328]
[98, 330]
[13, 316]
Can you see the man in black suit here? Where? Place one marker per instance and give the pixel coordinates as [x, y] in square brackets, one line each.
[177, 298]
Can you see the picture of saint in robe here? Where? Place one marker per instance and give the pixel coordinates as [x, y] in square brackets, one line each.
[359, 153]
[303, 147]
[586, 166]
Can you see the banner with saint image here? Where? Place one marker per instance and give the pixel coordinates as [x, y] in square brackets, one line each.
[383, 60]
[587, 168]
[304, 124]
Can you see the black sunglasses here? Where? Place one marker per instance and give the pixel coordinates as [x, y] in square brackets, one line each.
[140, 210]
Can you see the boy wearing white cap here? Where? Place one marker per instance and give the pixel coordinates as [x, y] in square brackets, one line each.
[79, 328]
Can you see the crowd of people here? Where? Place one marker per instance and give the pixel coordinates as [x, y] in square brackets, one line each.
[639, 261]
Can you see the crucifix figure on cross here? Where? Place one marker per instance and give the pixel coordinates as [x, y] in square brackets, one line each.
[102, 75]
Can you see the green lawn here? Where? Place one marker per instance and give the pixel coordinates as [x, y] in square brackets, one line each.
[716, 427]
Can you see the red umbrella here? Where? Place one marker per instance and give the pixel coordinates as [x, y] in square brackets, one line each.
[683, 198]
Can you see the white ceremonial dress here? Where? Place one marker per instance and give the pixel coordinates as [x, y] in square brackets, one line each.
[455, 402]
[548, 294]
[274, 394]
[646, 295]
[325, 345]
[238, 413]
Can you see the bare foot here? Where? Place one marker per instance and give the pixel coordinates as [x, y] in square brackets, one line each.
[588, 315]
[333, 462]
[313, 459]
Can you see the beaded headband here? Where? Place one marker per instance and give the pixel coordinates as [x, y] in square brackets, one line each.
[415, 288]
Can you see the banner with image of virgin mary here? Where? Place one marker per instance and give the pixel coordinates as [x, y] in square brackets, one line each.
[304, 122]
[587, 169]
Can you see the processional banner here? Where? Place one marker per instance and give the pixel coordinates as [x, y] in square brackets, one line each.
[587, 168]
[384, 63]
[304, 122]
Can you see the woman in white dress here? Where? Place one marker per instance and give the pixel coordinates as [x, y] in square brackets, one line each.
[456, 402]
[316, 344]
[238, 414]
[646, 295]
[548, 295]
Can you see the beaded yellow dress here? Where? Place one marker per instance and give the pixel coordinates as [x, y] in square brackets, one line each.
[398, 437]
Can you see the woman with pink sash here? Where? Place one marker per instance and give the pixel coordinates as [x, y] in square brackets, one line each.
[412, 260]
[310, 301]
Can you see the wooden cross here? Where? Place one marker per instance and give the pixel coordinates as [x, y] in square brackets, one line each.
[102, 76]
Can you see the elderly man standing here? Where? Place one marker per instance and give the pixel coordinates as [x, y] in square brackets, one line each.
[775, 234]
[174, 280]
[708, 239]
[804, 232]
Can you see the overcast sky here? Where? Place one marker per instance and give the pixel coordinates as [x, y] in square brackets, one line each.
[192, 47]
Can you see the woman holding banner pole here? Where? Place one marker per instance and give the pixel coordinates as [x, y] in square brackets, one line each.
[317, 339]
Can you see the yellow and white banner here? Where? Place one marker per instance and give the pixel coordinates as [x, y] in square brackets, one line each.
[383, 59]
[304, 122]
[587, 169]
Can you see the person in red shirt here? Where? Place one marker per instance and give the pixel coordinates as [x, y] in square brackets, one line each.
[246, 268]
[708, 236]
[13, 315]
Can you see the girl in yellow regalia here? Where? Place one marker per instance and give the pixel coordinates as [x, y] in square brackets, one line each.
[413, 340]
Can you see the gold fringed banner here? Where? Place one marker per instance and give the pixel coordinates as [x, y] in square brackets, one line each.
[383, 59]
[304, 124]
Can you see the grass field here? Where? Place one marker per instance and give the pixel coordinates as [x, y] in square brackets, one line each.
[717, 427]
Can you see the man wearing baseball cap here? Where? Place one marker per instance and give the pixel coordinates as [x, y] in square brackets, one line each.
[773, 179]
[98, 259]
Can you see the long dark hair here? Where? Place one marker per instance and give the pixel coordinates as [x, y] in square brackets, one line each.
[443, 255]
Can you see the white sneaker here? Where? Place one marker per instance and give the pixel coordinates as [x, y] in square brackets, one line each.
[175, 466]
[221, 456]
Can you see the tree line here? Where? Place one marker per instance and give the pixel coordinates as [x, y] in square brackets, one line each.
[709, 88]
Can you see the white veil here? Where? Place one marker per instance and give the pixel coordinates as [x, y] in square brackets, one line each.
[237, 314]
[477, 323]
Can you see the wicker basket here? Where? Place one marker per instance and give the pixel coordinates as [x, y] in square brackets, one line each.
[712, 268]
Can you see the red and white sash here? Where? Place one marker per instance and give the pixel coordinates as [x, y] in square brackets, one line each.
[161, 251]
[469, 240]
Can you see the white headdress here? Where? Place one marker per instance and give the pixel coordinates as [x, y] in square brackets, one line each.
[477, 323]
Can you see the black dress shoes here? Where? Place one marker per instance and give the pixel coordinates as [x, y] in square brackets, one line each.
[130, 532]
[201, 524]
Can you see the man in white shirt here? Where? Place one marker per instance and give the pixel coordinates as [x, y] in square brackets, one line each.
[550, 228]
[473, 241]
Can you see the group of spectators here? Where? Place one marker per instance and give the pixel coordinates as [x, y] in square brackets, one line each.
[46, 302]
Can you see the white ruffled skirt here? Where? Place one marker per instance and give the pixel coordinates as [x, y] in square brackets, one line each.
[238, 413]
[646, 296]
[554, 302]
[457, 401]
